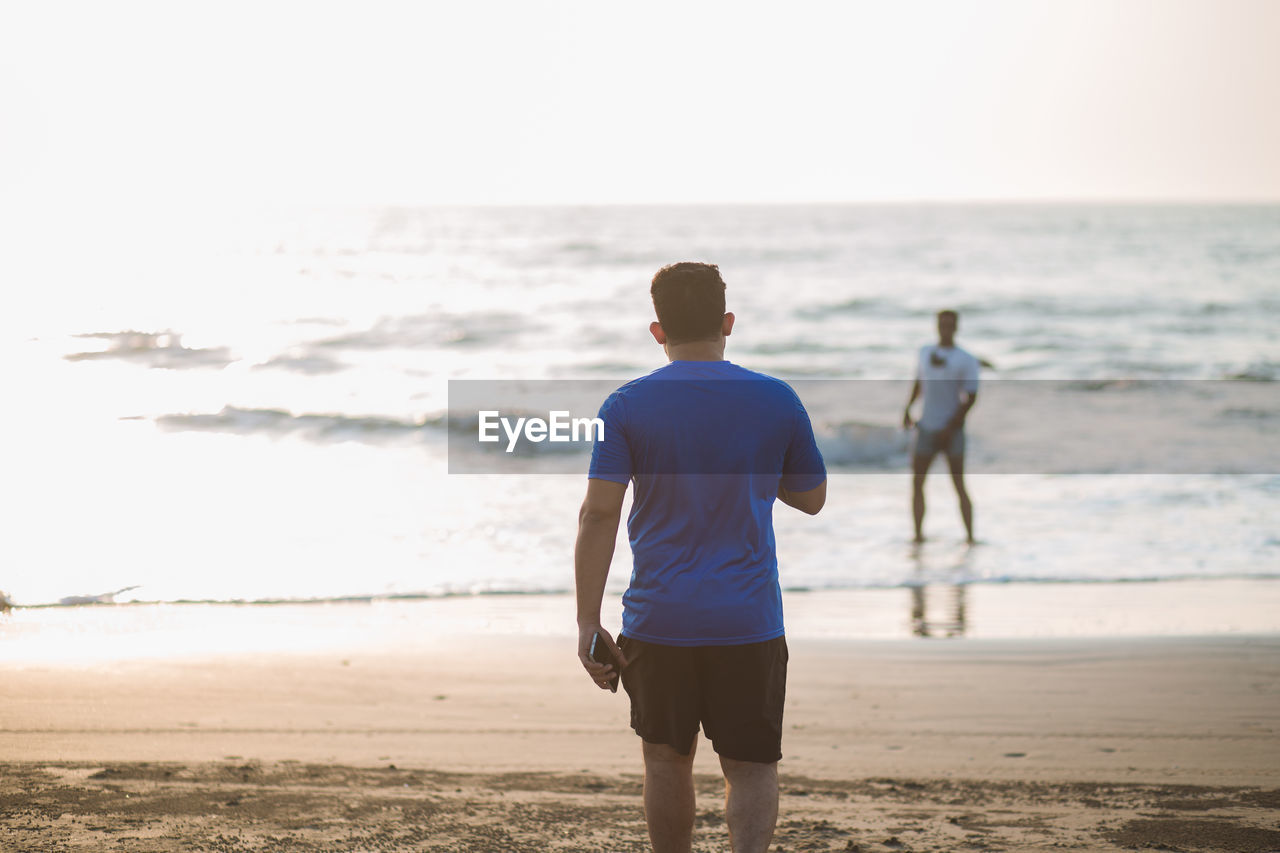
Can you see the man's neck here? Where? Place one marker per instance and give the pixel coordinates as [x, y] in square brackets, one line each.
[947, 343]
[696, 351]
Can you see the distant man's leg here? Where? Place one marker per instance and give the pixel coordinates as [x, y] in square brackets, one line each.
[919, 468]
[750, 803]
[668, 797]
[956, 462]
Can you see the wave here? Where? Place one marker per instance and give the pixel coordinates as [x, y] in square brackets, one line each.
[1060, 310]
[100, 598]
[310, 365]
[417, 331]
[860, 305]
[1264, 371]
[276, 601]
[1248, 414]
[233, 419]
[154, 349]
[854, 444]
[371, 428]
[550, 591]
[1083, 426]
[798, 346]
[1032, 580]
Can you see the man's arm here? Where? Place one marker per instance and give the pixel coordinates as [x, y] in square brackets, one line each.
[811, 501]
[957, 420]
[906, 413]
[592, 554]
[970, 390]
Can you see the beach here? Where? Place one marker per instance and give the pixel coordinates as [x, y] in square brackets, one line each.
[468, 725]
[329, 313]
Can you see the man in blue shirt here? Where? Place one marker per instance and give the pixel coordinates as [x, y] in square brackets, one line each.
[709, 446]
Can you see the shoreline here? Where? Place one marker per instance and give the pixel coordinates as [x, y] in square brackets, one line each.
[74, 635]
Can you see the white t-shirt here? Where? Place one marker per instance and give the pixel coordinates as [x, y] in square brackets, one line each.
[944, 372]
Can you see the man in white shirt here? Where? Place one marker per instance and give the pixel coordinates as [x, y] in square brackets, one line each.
[948, 378]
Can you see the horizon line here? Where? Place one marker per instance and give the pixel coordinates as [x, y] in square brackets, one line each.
[906, 202]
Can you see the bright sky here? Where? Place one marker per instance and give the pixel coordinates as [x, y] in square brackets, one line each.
[602, 101]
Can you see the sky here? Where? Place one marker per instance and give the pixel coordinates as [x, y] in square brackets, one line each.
[530, 101]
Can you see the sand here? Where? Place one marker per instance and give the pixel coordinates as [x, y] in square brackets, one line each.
[466, 740]
[239, 806]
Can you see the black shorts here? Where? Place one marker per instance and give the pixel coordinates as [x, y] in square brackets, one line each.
[735, 692]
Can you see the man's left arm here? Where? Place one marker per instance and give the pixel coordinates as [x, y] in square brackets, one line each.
[957, 420]
[971, 396]
[803, 484]
[593, 552]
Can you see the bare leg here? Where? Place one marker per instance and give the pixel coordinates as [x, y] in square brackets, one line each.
[919, 468]
[956, 464]
[668, 797]
[750, 803]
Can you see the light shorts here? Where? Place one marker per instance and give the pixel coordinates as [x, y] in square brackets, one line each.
[928, 443]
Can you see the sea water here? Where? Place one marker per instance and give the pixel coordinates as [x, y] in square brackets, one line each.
[259, 411]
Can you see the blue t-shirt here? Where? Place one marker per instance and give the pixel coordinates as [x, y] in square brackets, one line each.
[706, 444]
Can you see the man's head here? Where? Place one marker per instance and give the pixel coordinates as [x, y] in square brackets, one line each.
[689, 300]
[948, 322]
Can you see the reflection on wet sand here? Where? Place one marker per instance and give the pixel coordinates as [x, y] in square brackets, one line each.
[947, 618]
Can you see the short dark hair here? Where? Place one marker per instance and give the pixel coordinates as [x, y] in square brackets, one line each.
[689, 300]
[948, 313]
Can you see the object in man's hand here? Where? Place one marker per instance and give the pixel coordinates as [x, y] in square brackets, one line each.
[601, 653]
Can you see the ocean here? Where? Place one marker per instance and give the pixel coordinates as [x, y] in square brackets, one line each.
[263, 414]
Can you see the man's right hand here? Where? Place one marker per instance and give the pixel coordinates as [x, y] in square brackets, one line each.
[600, 673]
[906, 419]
